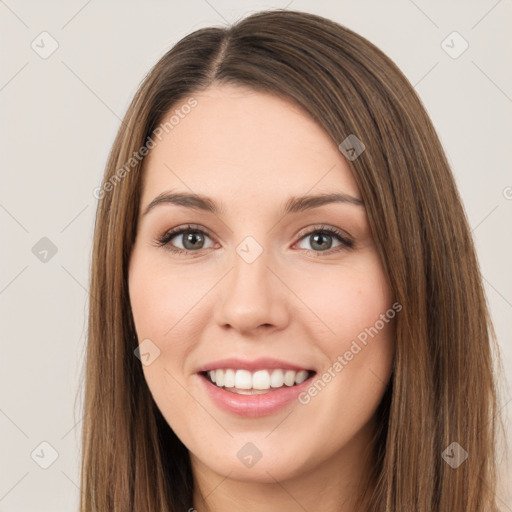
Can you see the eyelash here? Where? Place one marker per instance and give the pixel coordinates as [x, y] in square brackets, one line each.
[346, 243]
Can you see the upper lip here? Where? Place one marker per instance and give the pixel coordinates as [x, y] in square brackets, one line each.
[261, 363]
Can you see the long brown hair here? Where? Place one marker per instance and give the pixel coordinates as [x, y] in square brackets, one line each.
[443, 385]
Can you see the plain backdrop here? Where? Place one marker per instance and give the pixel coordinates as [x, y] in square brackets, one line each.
[60, 113]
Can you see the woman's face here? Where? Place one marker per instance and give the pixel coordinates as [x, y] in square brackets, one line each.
[260, 296]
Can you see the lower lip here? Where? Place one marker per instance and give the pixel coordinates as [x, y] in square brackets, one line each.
[253, 405]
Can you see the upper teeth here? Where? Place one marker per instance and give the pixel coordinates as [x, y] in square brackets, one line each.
[261, 379]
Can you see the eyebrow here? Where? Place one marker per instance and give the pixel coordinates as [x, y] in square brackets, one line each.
[292, 205]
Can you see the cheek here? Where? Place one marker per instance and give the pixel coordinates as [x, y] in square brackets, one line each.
[159, 311]
[168, 310]
[159, 305]
[346, 301]
[355, 332]
[158, 300]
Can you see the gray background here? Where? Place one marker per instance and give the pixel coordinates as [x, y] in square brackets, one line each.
[59, 118]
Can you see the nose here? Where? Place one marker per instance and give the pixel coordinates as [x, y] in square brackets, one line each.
[252, 296]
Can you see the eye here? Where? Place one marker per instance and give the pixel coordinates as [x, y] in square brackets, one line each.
[192, 239]
[321, 240]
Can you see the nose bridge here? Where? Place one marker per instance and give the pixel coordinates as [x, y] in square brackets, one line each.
[251, 294]
[250, 262]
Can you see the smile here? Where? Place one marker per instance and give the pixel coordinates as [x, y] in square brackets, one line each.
[254, 388]
[259, 382]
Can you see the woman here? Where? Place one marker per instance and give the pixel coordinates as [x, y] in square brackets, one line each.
[328, 345]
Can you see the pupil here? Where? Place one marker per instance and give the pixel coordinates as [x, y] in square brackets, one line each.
[192, 238]
[315, 238]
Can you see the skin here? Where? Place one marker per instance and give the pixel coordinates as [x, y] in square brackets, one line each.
[251, 151]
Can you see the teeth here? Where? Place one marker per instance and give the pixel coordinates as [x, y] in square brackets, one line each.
[229, 378]
[219, 378]
[277, 379]
[301, 376]
[289, 377]
[243, 379]
[259, 380]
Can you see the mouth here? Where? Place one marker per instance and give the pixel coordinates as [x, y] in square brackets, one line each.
[253, 388]
[259, 382]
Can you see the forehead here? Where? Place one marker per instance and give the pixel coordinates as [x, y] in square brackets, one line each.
[237, 142]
